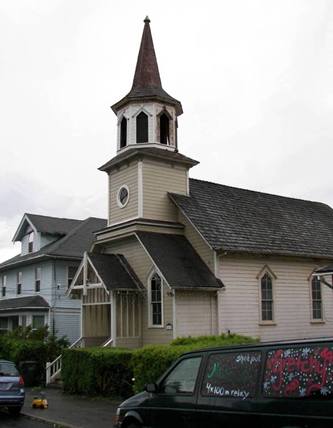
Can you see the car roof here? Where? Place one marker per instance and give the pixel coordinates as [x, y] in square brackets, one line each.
[261, 345]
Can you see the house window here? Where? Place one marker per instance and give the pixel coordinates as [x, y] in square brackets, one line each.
[38, 321]
[38, 272]
[156, 301]
[123, 132]
[316, 298]
[142, 128]
[31, 242]
[266, 289]
[164, 129]
[70, 274]
[19, 283]
[4, 285]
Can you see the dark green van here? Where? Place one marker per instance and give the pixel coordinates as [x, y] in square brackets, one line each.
[271, 385]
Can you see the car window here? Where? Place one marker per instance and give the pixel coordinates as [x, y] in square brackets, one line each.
[231, 375]
[8, 369]
[181, 380]
[299, 371]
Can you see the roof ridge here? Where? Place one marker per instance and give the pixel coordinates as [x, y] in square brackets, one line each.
[49, 216]
[259, 192]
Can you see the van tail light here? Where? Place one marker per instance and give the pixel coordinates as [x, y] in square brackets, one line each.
[21, 381]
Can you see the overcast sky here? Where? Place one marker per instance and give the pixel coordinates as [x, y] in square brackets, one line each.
[255, 79]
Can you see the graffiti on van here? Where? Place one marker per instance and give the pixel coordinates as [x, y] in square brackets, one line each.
[232, 375]
[299, 372]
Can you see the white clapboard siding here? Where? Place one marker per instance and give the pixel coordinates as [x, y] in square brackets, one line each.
[158, 180]
[198, 243]
[196, 313]
[67, 323]
[239, 302]
[126, 175]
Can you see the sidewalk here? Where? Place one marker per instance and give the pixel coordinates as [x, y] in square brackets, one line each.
[70, 410]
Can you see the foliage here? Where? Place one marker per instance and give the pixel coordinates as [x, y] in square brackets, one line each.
[108, 371]
[150, 362]
[97, 371]
[30, 350]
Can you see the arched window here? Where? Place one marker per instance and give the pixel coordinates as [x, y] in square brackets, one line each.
[266, 291]
[155, 301]
[142, 128]
[164, 129]
[123, 132]
[316, 299]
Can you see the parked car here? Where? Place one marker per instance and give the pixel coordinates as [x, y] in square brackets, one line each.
[276, 385]
[11, 387]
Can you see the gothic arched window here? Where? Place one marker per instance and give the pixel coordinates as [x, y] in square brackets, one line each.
[155, 301]
[164, 129]
[266, 291]
[123, 132]
[142, 128]
[316, 299]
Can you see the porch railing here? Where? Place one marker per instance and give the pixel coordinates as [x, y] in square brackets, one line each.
[107, 343]
[53, 368]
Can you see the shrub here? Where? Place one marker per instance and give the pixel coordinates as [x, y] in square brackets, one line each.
[30, 350]
[97, 371]
[150, 362]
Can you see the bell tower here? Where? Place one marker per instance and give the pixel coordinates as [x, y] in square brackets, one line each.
[148, 165]
[147, 115]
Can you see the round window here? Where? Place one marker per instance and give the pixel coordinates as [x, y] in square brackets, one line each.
[123, 196]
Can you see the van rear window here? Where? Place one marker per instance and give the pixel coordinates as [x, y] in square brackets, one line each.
[299, 372]
[232, 375]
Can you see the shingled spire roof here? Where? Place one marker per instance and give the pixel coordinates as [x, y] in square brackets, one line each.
[147, 84]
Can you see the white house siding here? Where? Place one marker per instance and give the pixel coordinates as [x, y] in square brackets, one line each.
[28, 281]
[239, 302]
[126, 175]
[196, 313]
[198, 243]
[159, 178]
[142, 265]
[60, 299]
[67, 323]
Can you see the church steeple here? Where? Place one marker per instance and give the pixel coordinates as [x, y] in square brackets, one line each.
[147, 114]
[146, 75]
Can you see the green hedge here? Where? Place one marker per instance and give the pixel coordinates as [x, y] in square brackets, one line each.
[150, 362]
[97, 371]
[109, 372]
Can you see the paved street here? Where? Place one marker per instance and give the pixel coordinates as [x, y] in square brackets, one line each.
[8, 421]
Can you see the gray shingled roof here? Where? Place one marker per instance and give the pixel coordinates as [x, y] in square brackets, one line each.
[72, 245]
[53, 225]
[239, 220]
[31, 302]
[153, 152]
[177, 261]
[115, 271]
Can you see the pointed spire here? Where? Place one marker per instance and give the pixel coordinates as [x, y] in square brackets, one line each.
[147, 85]
[146, 72]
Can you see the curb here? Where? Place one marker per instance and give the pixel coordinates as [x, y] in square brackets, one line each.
[55, 424]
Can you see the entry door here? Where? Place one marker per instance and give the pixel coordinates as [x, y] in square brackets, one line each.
[174, 405]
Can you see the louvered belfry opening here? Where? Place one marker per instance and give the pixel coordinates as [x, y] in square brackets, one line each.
[123, 132]
[142, 128]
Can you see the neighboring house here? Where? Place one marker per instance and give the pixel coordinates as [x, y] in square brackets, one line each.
[184, 257]
[35, 282]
